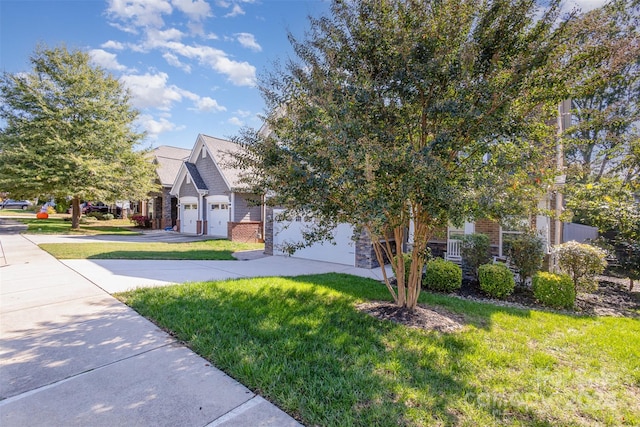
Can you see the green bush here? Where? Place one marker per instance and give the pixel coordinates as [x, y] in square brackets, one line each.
[107, 217]
[96, 215]
[554, 290]
[582, 262]
[63, 205]
[496, 280]
[441, 275]
[475, 251]
[526, 253]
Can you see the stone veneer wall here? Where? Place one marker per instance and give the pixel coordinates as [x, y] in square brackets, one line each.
[268, 231]
[248, 232]
[165, 220]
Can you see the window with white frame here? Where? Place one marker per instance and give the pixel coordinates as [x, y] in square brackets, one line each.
[511, 228]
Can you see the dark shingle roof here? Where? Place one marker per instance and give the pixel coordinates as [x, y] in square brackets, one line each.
[197, 180]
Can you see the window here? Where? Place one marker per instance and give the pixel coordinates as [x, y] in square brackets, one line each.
[188, 179]
[204, 153]
[509, 230]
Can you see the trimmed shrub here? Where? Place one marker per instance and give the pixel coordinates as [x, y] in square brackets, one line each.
[554, 290]
[582, 262]
[496, 280]
[444, 276]
[526, 253]
[107, 217]
[475, 251]
[96, 215]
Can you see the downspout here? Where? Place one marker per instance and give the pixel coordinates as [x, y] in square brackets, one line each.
[201, 208]
[560, 178]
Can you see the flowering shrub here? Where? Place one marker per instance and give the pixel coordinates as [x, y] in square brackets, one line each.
[554, 290]
[582, 262]
[496, 280]
[442, 275]
[141, 221]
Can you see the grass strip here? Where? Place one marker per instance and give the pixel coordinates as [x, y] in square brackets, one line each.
[301, 343]
[203, 250]
[93, 227]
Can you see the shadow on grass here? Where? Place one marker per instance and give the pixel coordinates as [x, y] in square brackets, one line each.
[200, 255]
[301, 343]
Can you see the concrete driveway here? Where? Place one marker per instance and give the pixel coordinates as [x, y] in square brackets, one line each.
[121, 275]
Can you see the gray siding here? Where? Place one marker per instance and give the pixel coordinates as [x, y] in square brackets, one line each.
[187, 189]
[211, 176]
[245, 210]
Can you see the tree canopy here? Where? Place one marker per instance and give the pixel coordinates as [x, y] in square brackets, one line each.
[402, 111]
[68, 131]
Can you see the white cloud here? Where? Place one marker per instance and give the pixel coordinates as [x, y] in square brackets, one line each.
[151, 91]
[195, 10]
[239, 73]
[243, 113]
[209, 104]
[223, 3]
[141, 13]
[248, 40]
[175, 61]
[111, 44]
[106, 60]
[157, 38]
[236, 10]
[235, 121]
[155, 127]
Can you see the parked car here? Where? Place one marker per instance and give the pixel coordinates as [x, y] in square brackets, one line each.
[15, 204]
[89, 207]
[98, 207]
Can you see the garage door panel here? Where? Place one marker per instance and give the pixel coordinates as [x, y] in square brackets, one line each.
[342, 252]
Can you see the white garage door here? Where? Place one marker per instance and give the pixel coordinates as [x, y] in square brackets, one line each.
[343, 252]
[218, 218]
[189, 220]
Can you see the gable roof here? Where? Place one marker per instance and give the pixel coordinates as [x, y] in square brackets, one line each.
[168, 161]
[218, 149]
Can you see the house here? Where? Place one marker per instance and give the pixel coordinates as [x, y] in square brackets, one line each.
[357, 251]
[161, 208]
[210, 198]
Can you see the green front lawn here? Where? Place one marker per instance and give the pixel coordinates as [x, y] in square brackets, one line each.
[204, 250]
[300, 343]
[58, 225]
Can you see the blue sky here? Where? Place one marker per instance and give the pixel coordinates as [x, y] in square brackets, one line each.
[191, 65]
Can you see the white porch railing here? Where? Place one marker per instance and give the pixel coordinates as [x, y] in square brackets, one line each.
[453, 250]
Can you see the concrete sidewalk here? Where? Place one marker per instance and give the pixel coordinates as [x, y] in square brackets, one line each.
[72, 355]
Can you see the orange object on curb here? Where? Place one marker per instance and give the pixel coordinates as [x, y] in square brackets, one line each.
[42, 215]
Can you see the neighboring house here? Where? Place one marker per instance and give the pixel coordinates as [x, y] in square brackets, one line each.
[210, 199]
[161, 208]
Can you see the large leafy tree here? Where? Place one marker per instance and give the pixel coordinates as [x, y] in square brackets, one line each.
[604, 139]
[68, 132]
[404, 110]
[603, 143]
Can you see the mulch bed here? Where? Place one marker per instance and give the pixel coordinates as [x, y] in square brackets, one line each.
[612, 298]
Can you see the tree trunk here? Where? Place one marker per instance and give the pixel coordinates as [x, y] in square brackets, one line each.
[630, 284]
[75, 213]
